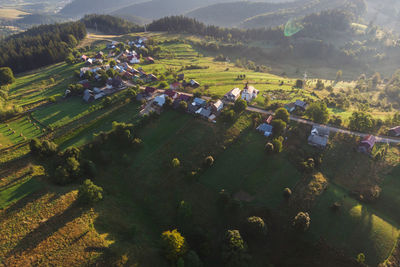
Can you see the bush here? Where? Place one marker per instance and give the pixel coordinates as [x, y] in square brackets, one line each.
[234, 249]
[163, 85]
[301, 222]
[192, 259]
[240, 105]
[318, 112]
[308, 165]
[61, 176]
[44, 149]
[282, 114]
[174, 245]
[287, 193]
[175, 163]
[277, 143]
[269, 148]
[89, 192]
[183, 105]
[209, 161]
[228, 115]
[255, 227]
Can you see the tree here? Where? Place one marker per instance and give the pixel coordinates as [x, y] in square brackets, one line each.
[209, 161]
[184, 213]
[228, 115]
[277, 143]
[339, 75]
[299, 83]
[255, 227]
[279, 126]
[174, 245]
[269, 147]
[234, 249]
[183, 105]
[361, 121]
[287, 193]
[318, 112]
[175, 163]
[192, 259]
[240, 105]
[163, 84]
[301, 222]
[112, 63]
[89, 192]
[6, 76]
[361, 258]
[320, 85]
[282, 114]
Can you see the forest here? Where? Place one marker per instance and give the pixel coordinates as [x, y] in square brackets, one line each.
[40, 46]
[110, 25]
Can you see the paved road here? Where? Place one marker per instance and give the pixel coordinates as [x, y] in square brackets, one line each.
[380, 139]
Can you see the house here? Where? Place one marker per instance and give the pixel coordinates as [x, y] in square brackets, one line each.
[171, 93]
[217, 106]
[269, 119]
[300, 104]
[159, 100]
[395, 131]
[194, 83]
[319, 137]
[199, 102]
[249, 93]
[149, 91]
[175, 86]
[88, 95]
[181, 77]
[266, 129]
[212, 118]
[150, 60]
[367, 144]
[114, 82]
[99, 55]
[204, 112]
[152, 78]
[233, 95]
[84, 57]
[290, 107]
[90, 61]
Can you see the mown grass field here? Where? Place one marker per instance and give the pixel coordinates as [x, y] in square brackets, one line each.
[10, 13]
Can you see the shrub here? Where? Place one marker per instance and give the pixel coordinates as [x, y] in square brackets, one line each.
[269, 147]
[277, 143]
[89, 192]
[255, 227]
[287, 193]
[308, 165]
[175, 163]
[174, 245]
[52, 99]
[183, 105]
[228, 115]
[61, 176]
[301, 222]
[209, 161]
[240, 105]
[318, 112]
[234, 249]
[361, 258]
[163, 84]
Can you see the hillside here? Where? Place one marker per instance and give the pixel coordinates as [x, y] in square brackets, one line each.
[78, 8]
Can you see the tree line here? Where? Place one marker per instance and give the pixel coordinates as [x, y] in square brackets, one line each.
[110, 25]
[40, 46]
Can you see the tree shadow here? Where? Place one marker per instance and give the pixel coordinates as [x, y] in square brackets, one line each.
[47, 229]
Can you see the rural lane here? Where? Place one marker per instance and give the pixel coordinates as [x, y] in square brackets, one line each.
[380, 139]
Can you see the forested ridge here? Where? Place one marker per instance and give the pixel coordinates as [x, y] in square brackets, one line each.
[40, 46]
[110, 25]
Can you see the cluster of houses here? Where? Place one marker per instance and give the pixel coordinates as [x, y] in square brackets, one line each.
[197, 106]
[249, 93]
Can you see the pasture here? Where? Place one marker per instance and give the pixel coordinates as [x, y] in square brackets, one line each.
[11, 13]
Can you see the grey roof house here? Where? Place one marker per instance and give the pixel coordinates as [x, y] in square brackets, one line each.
[319, 137]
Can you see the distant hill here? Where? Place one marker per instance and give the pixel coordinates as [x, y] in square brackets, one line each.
[38, 19]
[134, 19]
[78, 8]
[160, 8]
[233, 14]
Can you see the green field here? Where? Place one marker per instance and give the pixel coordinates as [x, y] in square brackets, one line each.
[11, 134]
[14, 193]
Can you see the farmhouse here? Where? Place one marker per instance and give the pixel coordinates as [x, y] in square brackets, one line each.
[150, 60]
[171, 93]
[88, 95]
[159, 100]
[319, 137]
[194, 83]
[395, 131]
[217, 106]
[181, 77]
[149, 91]
[367, 144]
[204, 112]
[84, 57]
[249, 93]
[233, 94]
[301, 104]
[266, 129]
[269, 119]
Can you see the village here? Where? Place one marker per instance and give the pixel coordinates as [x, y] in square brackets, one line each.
[119, 75]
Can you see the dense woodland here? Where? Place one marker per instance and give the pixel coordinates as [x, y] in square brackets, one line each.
[110, 25]
[40, 46]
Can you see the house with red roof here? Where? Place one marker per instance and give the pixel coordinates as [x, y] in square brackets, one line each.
[171, 93]
[150, 60]
[175, 86]
[367, 144]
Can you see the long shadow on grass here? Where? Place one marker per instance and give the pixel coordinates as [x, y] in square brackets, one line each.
[47, 229]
